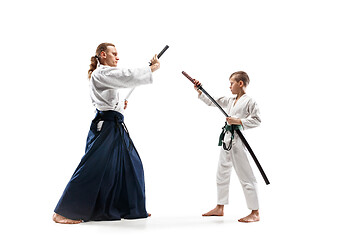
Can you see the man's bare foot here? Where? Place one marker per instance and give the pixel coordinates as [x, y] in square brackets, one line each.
[252, 217]
[217, 211]
[60, 219]
[149, 214]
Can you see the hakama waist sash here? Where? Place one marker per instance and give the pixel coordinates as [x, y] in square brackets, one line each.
[108, 116]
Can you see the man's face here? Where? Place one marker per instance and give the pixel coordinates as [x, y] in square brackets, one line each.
[110, 56]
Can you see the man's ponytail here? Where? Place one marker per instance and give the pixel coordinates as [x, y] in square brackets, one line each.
[93, 65]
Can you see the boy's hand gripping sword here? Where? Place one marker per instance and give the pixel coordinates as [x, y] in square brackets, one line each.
[237, 130]
[158, 56]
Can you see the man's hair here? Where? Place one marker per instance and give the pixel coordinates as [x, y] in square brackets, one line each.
[241, 76]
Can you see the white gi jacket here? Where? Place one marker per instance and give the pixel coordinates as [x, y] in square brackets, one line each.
[246, 109]
[105, 82]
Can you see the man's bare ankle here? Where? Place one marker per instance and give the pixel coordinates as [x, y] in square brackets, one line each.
[255, 212]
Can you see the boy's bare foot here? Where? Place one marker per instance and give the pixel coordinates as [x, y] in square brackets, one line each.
[60, 219]
[217, 211]
[252, 217]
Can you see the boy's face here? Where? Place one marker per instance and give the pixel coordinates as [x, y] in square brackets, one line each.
[235, 86]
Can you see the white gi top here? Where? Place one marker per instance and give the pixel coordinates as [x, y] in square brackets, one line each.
[245, 108]
[105, 82]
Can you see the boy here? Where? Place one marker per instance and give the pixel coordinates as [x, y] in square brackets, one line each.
[244, 114]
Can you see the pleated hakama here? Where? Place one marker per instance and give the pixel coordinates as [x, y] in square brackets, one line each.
[109, 182]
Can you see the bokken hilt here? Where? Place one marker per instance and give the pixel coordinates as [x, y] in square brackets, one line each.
[161, 53]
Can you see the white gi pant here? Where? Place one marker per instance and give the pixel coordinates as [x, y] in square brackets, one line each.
[236, 158]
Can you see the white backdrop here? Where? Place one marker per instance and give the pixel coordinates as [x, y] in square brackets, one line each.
[303, 61]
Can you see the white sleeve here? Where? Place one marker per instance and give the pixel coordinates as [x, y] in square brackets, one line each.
[113, 77]
[222, 101]
[253, 119]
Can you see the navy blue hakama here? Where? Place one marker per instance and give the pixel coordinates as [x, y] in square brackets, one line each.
[109, 182]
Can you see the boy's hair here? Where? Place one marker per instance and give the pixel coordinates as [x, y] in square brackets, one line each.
[241, 76]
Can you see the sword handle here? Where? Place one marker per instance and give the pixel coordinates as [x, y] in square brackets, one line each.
[161, 53]
[205, 92]
[188, 77]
